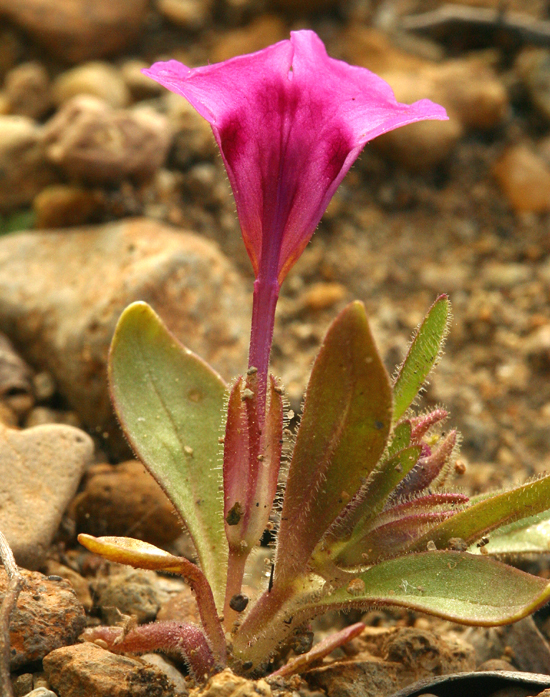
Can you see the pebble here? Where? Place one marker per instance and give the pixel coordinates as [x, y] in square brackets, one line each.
[47, 615]
[92, 142]
[97, 79]
[23, 165]
[65, 205]
[41, 692]
[226, 684]
[139, 85]
[72, 32]
[27, 90]
[43, 466]
[79, 584]
[188, 14]
[524, 178]
[171, 672]
[125, 500]
[22, 684]
[321, 296]
[104, 268]
[127, 592]
[86, 670]
[468, 88]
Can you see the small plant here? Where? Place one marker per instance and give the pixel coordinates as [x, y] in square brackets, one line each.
[364, 514]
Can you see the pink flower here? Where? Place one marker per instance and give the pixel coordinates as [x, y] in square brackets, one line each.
[290, 122]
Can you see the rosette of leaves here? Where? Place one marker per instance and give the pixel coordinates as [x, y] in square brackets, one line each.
[368, 516]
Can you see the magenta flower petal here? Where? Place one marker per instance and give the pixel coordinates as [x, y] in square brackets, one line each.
[290, 122]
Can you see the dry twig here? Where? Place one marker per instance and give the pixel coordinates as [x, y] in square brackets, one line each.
[449, 20]
[15, 583]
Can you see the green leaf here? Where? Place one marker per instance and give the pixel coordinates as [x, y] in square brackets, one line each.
[169, 403]
[400, 438]
[423, 353]
[452, 585]
[343, 433]
[528, 536]
[489, 513]
[360, 520]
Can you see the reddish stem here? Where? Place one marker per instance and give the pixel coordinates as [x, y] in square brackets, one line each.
[264, 303]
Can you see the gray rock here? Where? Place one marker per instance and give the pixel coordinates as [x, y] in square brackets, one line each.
[40, 469]
[47, 615]
[129, 592]
[61, 294]
[87, 669]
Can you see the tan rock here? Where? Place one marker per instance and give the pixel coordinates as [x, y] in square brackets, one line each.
[468, 88]
[321, 296]
[63, 205]
[125, 500]
[524, 178]
[226, 684]
[23, 164]
[87, 669]
[189, 14]
[47, 615]
[61, 294]
[140, 85]
[79, 583]
[261, 32]
[40, 469]
[76, 31]
[27, 90]
[97, 79]
[92, 142]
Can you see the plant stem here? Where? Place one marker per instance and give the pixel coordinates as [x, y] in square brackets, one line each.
[264, 303]
[260, 626]
[235, 573]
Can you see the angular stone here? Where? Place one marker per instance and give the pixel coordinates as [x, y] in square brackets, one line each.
[40, 469]
[86, 670]
[61, 294]
[47, 615]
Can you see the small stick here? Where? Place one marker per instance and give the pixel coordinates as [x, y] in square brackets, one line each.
[15, 583]
[522, 27]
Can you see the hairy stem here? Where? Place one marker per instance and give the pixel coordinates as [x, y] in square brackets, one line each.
[235, 573]
[264, 303]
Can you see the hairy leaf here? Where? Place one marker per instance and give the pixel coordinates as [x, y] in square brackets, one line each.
[169, 403]
[453, 585]
[345, 424]
[528, 536]
[489, 513]
[422, 356]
